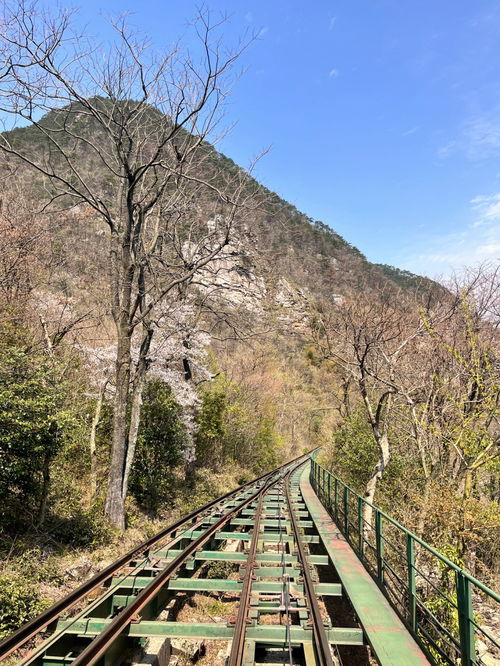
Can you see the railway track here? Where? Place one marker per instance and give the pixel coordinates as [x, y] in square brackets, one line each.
[282, 604]
[277, 606]
[135, 587]
[28, 631]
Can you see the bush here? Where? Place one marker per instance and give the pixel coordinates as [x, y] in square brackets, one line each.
[34, 423]
[219, 570]
[19, 602]
[230, 431]
[354, 453]
[84, 529]
[210, 438]
[45, 571]
[208, 485]
[20, 599]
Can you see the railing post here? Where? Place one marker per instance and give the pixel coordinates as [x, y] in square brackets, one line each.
[346, 512]
[336, 498]
[412, 586]
[465, 615]
[360, 526]
[379, 542]
[323, 484]
[329, 479]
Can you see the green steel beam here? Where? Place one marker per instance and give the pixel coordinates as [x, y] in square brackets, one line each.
[270, 522]
[220, 585]
[228, 556]
[321, 560]
[267, 537]
[250, 512]
[259, 634]
[276, 572]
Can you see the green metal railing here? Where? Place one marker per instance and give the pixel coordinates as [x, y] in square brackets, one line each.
[445, 608]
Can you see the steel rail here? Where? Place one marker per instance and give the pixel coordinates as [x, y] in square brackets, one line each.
[238, 642]
[321, 642]
[26, 632]
[101, 643]
[286, 585]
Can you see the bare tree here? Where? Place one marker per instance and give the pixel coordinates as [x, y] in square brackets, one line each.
[376, 344]
[363, 338]
[122, 133]
[426, 373]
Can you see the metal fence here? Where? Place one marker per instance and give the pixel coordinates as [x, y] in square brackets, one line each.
[449, 612]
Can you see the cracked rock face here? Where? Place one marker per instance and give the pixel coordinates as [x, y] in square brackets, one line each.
[241, 277]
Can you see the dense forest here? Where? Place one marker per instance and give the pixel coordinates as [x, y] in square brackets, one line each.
[169, 329]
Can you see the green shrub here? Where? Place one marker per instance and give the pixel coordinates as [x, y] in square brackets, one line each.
[34, 423]
[19, 602]
[84, 529]
[36, 567]
[354, 453]
[230, 431]
[219, 570]
[210, 438]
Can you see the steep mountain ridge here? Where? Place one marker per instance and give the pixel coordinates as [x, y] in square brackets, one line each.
[279, 242]
[311, 253]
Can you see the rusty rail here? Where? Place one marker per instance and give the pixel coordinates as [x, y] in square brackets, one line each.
[238, 643]
[321, 643]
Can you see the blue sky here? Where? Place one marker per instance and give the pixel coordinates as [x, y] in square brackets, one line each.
[383, 116]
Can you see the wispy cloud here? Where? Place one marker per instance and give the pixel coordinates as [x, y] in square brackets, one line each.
[477, 242]
[446, 149]
[412, 130]
[333, 73]
[478, 138]
[331, 25]
[482, 137]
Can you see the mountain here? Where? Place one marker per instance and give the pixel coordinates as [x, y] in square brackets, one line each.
[310, 253]
[285, 242]
[279, 265]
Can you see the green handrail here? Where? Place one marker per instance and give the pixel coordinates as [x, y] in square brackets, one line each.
[445, 640]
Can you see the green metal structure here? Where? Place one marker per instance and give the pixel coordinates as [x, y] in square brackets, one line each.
[437, 600]
[295, 543]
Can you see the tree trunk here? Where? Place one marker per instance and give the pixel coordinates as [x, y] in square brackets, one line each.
[115, 501]
[122, 270]
[92, 441]
[190, 464]
[135, 418]
[136, 401]
[377, 474]
[42, 508]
